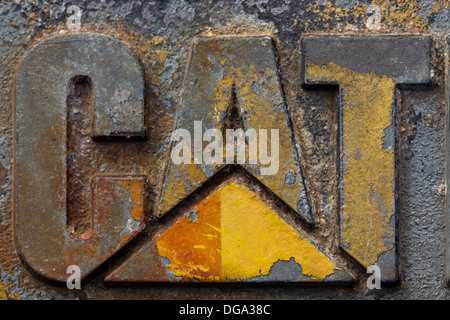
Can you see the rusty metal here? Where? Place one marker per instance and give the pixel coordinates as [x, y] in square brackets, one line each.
[64, 89]
[240, 73]
[367, 70]
[230, 235]
[447, 172]
[231, 83]
[127, 165]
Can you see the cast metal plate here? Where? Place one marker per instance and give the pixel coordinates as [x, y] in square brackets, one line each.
[357, 93]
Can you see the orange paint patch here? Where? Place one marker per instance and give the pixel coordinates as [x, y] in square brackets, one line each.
[193, 245]
[136, 189]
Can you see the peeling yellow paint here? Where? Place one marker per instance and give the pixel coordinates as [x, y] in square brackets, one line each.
[254, 237]
[260, 105]
[5, 293]
[248, 235]
[395, 15]
[439, 5]
[368, 169]
[243, 77]
[174, 192]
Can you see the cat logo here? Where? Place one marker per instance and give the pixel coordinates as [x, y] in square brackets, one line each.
[83, 149]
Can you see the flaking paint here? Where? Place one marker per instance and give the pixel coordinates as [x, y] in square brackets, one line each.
[237, 237]
[368, 177]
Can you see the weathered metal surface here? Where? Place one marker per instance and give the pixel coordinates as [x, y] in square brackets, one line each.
[240, 73]
[161, 33]
[232, 235]
[447, 171]
[232, 83]
[367, 70]
[56, 225]
[406, 59]
[117, 216]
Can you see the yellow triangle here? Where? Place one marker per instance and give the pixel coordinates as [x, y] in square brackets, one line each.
[236, 236]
